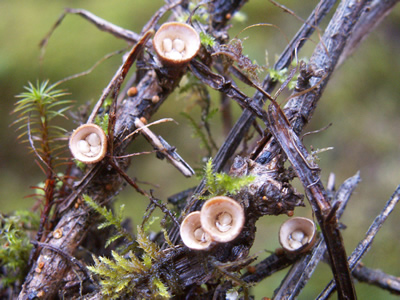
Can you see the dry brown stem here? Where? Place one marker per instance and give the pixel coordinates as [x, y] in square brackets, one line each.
[270, 194]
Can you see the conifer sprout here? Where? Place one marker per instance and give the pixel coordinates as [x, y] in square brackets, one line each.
[176, 43]
[192, 234]
[88, 143]
[222, 218]
[297, 235]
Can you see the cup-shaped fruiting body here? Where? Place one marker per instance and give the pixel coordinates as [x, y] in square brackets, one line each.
[222, 218]
[297, 235]
[88, 143]
[176, 43]
[192, 233]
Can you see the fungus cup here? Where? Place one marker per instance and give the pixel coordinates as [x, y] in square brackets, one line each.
[88, 143]
[176, 43]
[222, 218]
[192, 233]
[297, 235]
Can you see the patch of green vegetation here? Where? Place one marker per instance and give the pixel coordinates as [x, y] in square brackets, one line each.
[200, 15]
[127, 273]
[15, 244]
[103, 119]
[282, 75]
[82, 166]
[222, 183]
[207, 40]
[38, 106]
[36, 110]
[113, 220]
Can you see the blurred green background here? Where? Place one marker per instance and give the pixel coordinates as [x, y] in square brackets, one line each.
[362, 102]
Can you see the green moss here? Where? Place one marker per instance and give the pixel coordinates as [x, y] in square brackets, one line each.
[207, 40]
[222, 183]
[122, 273]
[14, 244]
[113, 220]
[102, 121]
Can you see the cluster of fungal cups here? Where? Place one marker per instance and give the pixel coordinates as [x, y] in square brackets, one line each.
[175, 44]
[221, 219]
[88, 143]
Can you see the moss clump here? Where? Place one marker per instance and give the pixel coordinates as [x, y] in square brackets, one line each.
[14, 244]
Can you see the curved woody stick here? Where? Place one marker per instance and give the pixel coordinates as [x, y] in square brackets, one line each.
[120, 75]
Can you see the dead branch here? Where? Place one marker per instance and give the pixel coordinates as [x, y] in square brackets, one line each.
[378, 278]
[298, 276]
[363, 247]
[271, 193]
[370, 18]
[74, 223]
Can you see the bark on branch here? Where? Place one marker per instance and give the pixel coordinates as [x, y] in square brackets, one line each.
[270, 194]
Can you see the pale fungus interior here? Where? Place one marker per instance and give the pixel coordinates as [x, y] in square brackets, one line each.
[90, 145]
[297, 239]
[200, 235]
[224, 221]
[174, 49]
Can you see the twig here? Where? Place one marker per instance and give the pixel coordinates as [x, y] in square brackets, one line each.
[84, 73]
[119, 76]
[100, 23]
[344, 193]
[165, 149]
[128, 179]
[301, 271]
[78, 188]
[102, 182]
[371, 17]
[71, 260]
[267, 267]
[325, 59]
[280, 127]
[325, 56]
[366, 243]
[246, 119]
[299, 274]
[163, 208]
[243, 124]
[377, 278]
[316, 195]
[158, 15]
[135, 154]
